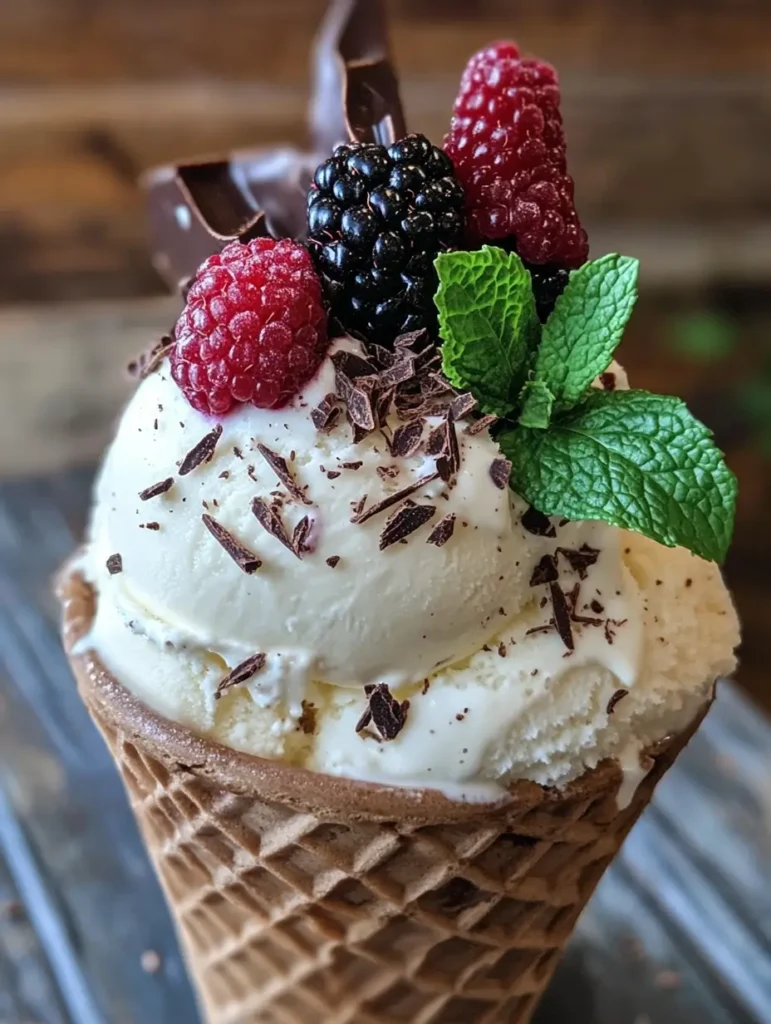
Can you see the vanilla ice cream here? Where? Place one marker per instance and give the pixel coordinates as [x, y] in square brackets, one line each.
[465, 630]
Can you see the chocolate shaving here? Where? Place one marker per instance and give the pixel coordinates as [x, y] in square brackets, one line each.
[463, 405]
[307, 721]
[500, 471]
[399, 372]
[545, 572]
[387, 472]
[383, 402]
[363, 515]
[443, 443]
[149, 361]
[245, 559]
[114, 564]
[617, 696]
[300, 536]
[150, 526]
[332, 561]
[359, 401]
[240, 674]
[326, 413]
[404, 521]
[160, 488]
[415, 341]
[351, 366]
[502, 650]
[351, 465]
[443, 530]
[580, 560]
[270, 520]
[597, 607]
[483, 423]
[202, 452]
[406, 439]
[333, 474]
[562, 616]
[281, 469]
[388, 714]
[539, 524]
[608, 380]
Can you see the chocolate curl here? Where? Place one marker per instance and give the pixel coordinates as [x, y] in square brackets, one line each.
[195, 209]
[356, 94]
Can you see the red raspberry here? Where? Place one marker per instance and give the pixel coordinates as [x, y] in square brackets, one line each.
[508, 147]
[253, 328]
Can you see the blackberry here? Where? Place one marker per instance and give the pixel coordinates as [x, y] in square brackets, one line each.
[549, 283]
[377, 218]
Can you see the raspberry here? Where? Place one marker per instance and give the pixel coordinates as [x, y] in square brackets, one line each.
[508, 147]
[377, 218]
[253, 328]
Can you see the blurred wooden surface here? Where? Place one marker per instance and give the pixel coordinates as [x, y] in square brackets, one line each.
[667, 107]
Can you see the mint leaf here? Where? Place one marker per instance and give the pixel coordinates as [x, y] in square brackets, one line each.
[586, 325]
[537, 403]
[488, 324]
[634, 460]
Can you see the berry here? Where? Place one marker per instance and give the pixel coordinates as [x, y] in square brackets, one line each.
[549, 283]
[253, 328]
[377, 218]
[508, 147]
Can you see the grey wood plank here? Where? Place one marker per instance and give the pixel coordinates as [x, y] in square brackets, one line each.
[28, 992]
[676, 934]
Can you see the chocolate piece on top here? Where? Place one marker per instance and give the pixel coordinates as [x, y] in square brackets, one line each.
[404, 521]
[201, 452]
[241, 673]
[245, 559]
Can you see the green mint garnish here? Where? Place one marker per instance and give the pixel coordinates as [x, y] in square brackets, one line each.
[630, 458]
[537, 403]
[587, 323]
[489, 325]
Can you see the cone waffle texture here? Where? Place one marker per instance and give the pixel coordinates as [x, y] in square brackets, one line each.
[306, 899]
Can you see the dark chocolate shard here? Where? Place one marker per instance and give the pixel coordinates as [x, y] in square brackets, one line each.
[393, 499]
[241, 674]
[245, 559]
[581, 559]
[332, 561]
[352, 366]
[483, 423]
[544, 572]
[443, 530]
[562, 616]
[323, 414]
[388, 715]
[539, 524]
[406, 439]
[300, 536]
[281, 469]
[617, 696]
[150, 526]
[202, 452]
[149, 361]
[155, 489]
[307, 721]
[114, 564]
[404, 521]
[608, 380]
[500, 471]
[271, 521]
[463, 405]
[400, 371]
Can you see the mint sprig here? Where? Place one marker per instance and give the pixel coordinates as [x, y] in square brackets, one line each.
[630, 458]
[489, 325]
[587, 323]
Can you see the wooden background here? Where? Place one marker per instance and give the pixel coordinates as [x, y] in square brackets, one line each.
[667, 106]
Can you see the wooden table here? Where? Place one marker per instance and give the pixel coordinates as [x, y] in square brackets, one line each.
[679, 931]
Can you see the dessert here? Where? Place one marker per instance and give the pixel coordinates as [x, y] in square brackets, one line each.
[397, 600]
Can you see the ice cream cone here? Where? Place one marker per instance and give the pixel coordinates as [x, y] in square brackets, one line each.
[302, 896]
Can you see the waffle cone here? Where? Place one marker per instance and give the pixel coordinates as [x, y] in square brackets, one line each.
[303, 897]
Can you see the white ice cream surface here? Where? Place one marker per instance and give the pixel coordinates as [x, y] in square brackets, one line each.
[458, 630]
